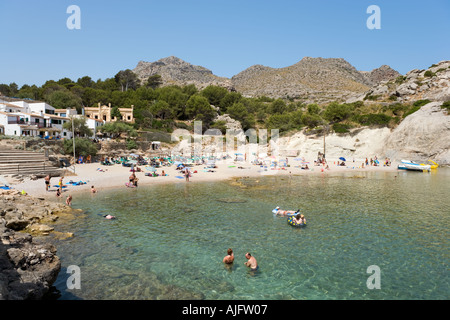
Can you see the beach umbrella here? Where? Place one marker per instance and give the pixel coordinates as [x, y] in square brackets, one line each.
[152, 169]
[342, 158]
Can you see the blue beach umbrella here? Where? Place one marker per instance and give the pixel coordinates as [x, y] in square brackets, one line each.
[342, 158]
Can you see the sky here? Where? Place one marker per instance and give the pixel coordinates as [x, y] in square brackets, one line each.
[225, 36]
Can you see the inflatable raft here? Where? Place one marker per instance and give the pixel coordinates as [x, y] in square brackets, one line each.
[291, 222]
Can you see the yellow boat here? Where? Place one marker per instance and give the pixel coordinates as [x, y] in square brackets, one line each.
[434, 165]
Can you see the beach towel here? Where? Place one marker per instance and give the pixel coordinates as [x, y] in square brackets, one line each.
[76, 183]
[179, 177]
[5, 188]
[57, 186]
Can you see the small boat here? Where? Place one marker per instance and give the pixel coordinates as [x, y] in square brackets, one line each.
[410, 165]
[434, 165]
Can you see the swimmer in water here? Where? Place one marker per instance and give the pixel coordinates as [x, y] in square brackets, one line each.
[109, 217]
[251, 262]
[230, 257]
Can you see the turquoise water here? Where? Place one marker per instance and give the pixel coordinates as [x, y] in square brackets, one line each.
[169, 240]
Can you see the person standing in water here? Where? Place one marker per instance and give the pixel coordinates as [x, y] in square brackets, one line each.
[230, 257]
[69, 200]
[251, 262]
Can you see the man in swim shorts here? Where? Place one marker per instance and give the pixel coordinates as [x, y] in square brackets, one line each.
[230, 257]
[251, 262]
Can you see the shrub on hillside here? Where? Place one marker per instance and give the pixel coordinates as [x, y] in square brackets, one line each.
[373, 119]
[341, 128]
[446, 105]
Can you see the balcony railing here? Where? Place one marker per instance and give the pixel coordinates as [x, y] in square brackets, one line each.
[39, 125]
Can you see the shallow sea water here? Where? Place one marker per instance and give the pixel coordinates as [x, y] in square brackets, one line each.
[169, 240]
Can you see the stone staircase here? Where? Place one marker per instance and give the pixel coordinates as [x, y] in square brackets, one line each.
[13, 161]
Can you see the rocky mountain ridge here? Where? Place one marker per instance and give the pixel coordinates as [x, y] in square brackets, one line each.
[313, 79]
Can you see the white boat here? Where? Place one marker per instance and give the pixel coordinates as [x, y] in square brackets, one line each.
[410, 165]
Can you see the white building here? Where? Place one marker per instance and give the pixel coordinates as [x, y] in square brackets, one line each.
[22, 118]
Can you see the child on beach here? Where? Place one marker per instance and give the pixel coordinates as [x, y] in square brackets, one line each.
[69, 200]
[93, 190]
[47, 182]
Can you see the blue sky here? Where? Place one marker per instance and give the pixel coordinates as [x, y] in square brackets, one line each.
[223, 36]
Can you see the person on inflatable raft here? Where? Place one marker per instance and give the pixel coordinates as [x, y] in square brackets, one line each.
[297, 221]
[277, 211]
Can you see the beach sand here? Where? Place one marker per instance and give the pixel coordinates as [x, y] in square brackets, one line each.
[115, 176]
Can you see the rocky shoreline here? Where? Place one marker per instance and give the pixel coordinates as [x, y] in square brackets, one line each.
[28, 268]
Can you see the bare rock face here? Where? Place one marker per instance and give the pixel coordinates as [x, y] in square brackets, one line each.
[381, 74]
[27, 268]
[428, 84]
[422, 135]
[175, 71]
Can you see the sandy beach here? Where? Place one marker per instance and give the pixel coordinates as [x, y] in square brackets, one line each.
[116, 176]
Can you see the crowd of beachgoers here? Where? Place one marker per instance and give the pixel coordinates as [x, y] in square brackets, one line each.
[137, 170]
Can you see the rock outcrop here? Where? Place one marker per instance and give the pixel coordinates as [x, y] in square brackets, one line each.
[420, 136]
[427, 84]
[423, 135]
[175, 71]
[27, 268]
[379, 75]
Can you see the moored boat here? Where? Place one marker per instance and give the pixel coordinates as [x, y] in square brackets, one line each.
[410, 165]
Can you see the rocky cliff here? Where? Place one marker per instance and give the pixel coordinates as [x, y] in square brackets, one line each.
[422, 135]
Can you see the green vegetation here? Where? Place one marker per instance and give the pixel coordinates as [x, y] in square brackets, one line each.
[83, 147]
[162, 109]
[446, 105]
[429, 73]
[79, 127]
